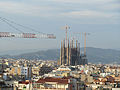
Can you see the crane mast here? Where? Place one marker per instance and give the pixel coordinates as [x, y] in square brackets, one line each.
[66, 32]
[85, 39]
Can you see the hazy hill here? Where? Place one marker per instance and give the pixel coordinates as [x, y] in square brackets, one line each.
[95, 55]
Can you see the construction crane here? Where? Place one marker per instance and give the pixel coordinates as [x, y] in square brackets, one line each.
[85, 39]
[66, 27]
[27, 35]
[22, 34]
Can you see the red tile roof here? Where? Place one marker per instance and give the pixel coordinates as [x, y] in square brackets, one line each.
[24, 82]
[51, 79]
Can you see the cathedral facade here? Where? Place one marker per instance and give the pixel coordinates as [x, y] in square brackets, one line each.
[70, 54]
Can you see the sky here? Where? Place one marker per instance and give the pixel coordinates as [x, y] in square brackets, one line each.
[100, 18]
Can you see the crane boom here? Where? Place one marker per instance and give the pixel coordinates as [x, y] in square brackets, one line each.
[27, 35]
[21, 34]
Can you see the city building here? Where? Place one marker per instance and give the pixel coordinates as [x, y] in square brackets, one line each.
[51, 83]
[27, 72]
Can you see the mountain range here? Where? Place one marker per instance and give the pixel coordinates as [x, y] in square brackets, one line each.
[94, 55]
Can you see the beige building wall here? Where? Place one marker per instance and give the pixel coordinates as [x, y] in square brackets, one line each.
[15, 71]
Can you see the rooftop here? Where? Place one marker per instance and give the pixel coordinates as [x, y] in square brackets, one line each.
[64, 80]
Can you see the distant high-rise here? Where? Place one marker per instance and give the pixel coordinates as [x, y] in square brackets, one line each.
[70, 54]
